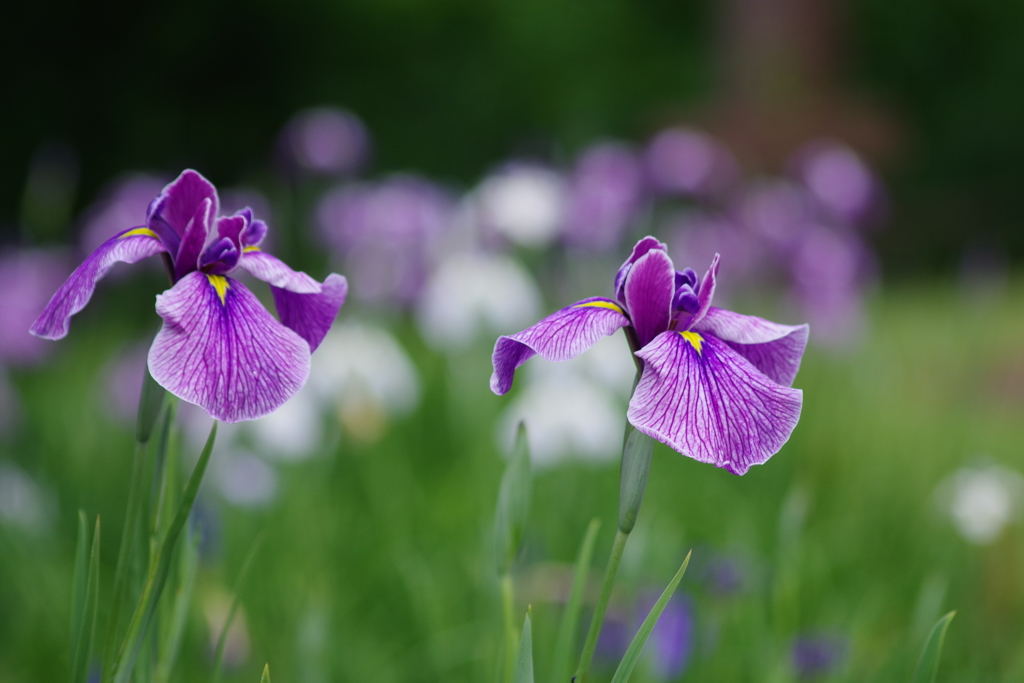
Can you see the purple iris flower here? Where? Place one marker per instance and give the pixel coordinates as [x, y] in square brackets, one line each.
[715, 385]
[219, 347]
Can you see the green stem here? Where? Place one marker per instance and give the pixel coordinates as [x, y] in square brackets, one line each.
[129, 535]
[602, 605]
[511, 638]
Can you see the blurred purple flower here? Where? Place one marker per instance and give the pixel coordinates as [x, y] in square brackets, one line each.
[671, 641]
[840, 181]
[325, 140]
[30, 276]
[776, 210]
[699, 235]
[724, 575]
[817, 654]
[615, 636]
[829, 268]
[122, 382]
[120, 204]
[385, 233]
[689, 162]
[605, 192]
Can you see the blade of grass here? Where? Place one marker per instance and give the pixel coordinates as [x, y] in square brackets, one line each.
[568, 629]
[524, 670]
[243, 573]
[629, 660]
[265, 678]
[170, 644]
[78, 584]
[160, 568]
[928, 665]
[86, 601]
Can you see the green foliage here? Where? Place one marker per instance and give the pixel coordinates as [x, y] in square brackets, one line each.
[513, 503]
[524, 668]
[928, 665]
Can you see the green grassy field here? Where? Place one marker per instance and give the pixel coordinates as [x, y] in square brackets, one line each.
[377, 564]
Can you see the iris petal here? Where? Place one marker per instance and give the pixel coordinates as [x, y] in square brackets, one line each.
[562, 335]
[275, 272]
[311, 315]
[230, 356]
[648, 292]
[709, 403]
[129, 246]
[774, 349]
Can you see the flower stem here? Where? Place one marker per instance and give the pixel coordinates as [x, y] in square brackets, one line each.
[602, 605]
[511, 638]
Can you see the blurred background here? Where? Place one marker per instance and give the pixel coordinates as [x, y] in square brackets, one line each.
[471, 167]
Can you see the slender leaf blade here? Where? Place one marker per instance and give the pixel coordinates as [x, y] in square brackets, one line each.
[928, 665]
[568, 629]
[265, 678]
[632, 655]
[524, 670]
[243, 573]
[78, 583]
[170, 644]
[513, 503]
[159, 571]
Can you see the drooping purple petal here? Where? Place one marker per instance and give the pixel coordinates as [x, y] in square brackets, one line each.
[774, 349]
[562, 335]
[639, 249]
[220, 349]
[648, 293]
[194, 239]
[276, 273]
[311, 315]
[177, 204]
[708, 402]
[130, 246]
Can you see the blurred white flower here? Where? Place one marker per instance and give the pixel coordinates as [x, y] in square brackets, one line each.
[471, 294]
[981, 500]
[575, 409]
[293, 431]
[244, 479]
[22, 502]
[525, 203]
[366, 375]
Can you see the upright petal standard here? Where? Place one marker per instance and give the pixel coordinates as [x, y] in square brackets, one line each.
[714, 385]
[219, 347]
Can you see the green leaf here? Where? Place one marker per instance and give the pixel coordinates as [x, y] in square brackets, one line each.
[636, 465]
[566, 641]
[928, 665]
[629, 660]
[239, 585]
[170, 644]
[159, 570]
[265, 678]
[150, 402]
[524, 671]
[513, 504]
[85, 600]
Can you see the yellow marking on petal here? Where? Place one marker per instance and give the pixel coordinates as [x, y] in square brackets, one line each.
[138, 232]
[220, 283]
[600, 304]
[696, 341]
[248, 249]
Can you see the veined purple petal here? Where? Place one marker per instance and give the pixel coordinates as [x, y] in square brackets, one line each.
[648, 293]
[220, 349]
[311, 315]
[276, 273]
[194, 239]
[708, 402]
[130, 246]
[639, 249]
[562, 335]
[177, 204]
[774, 349]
